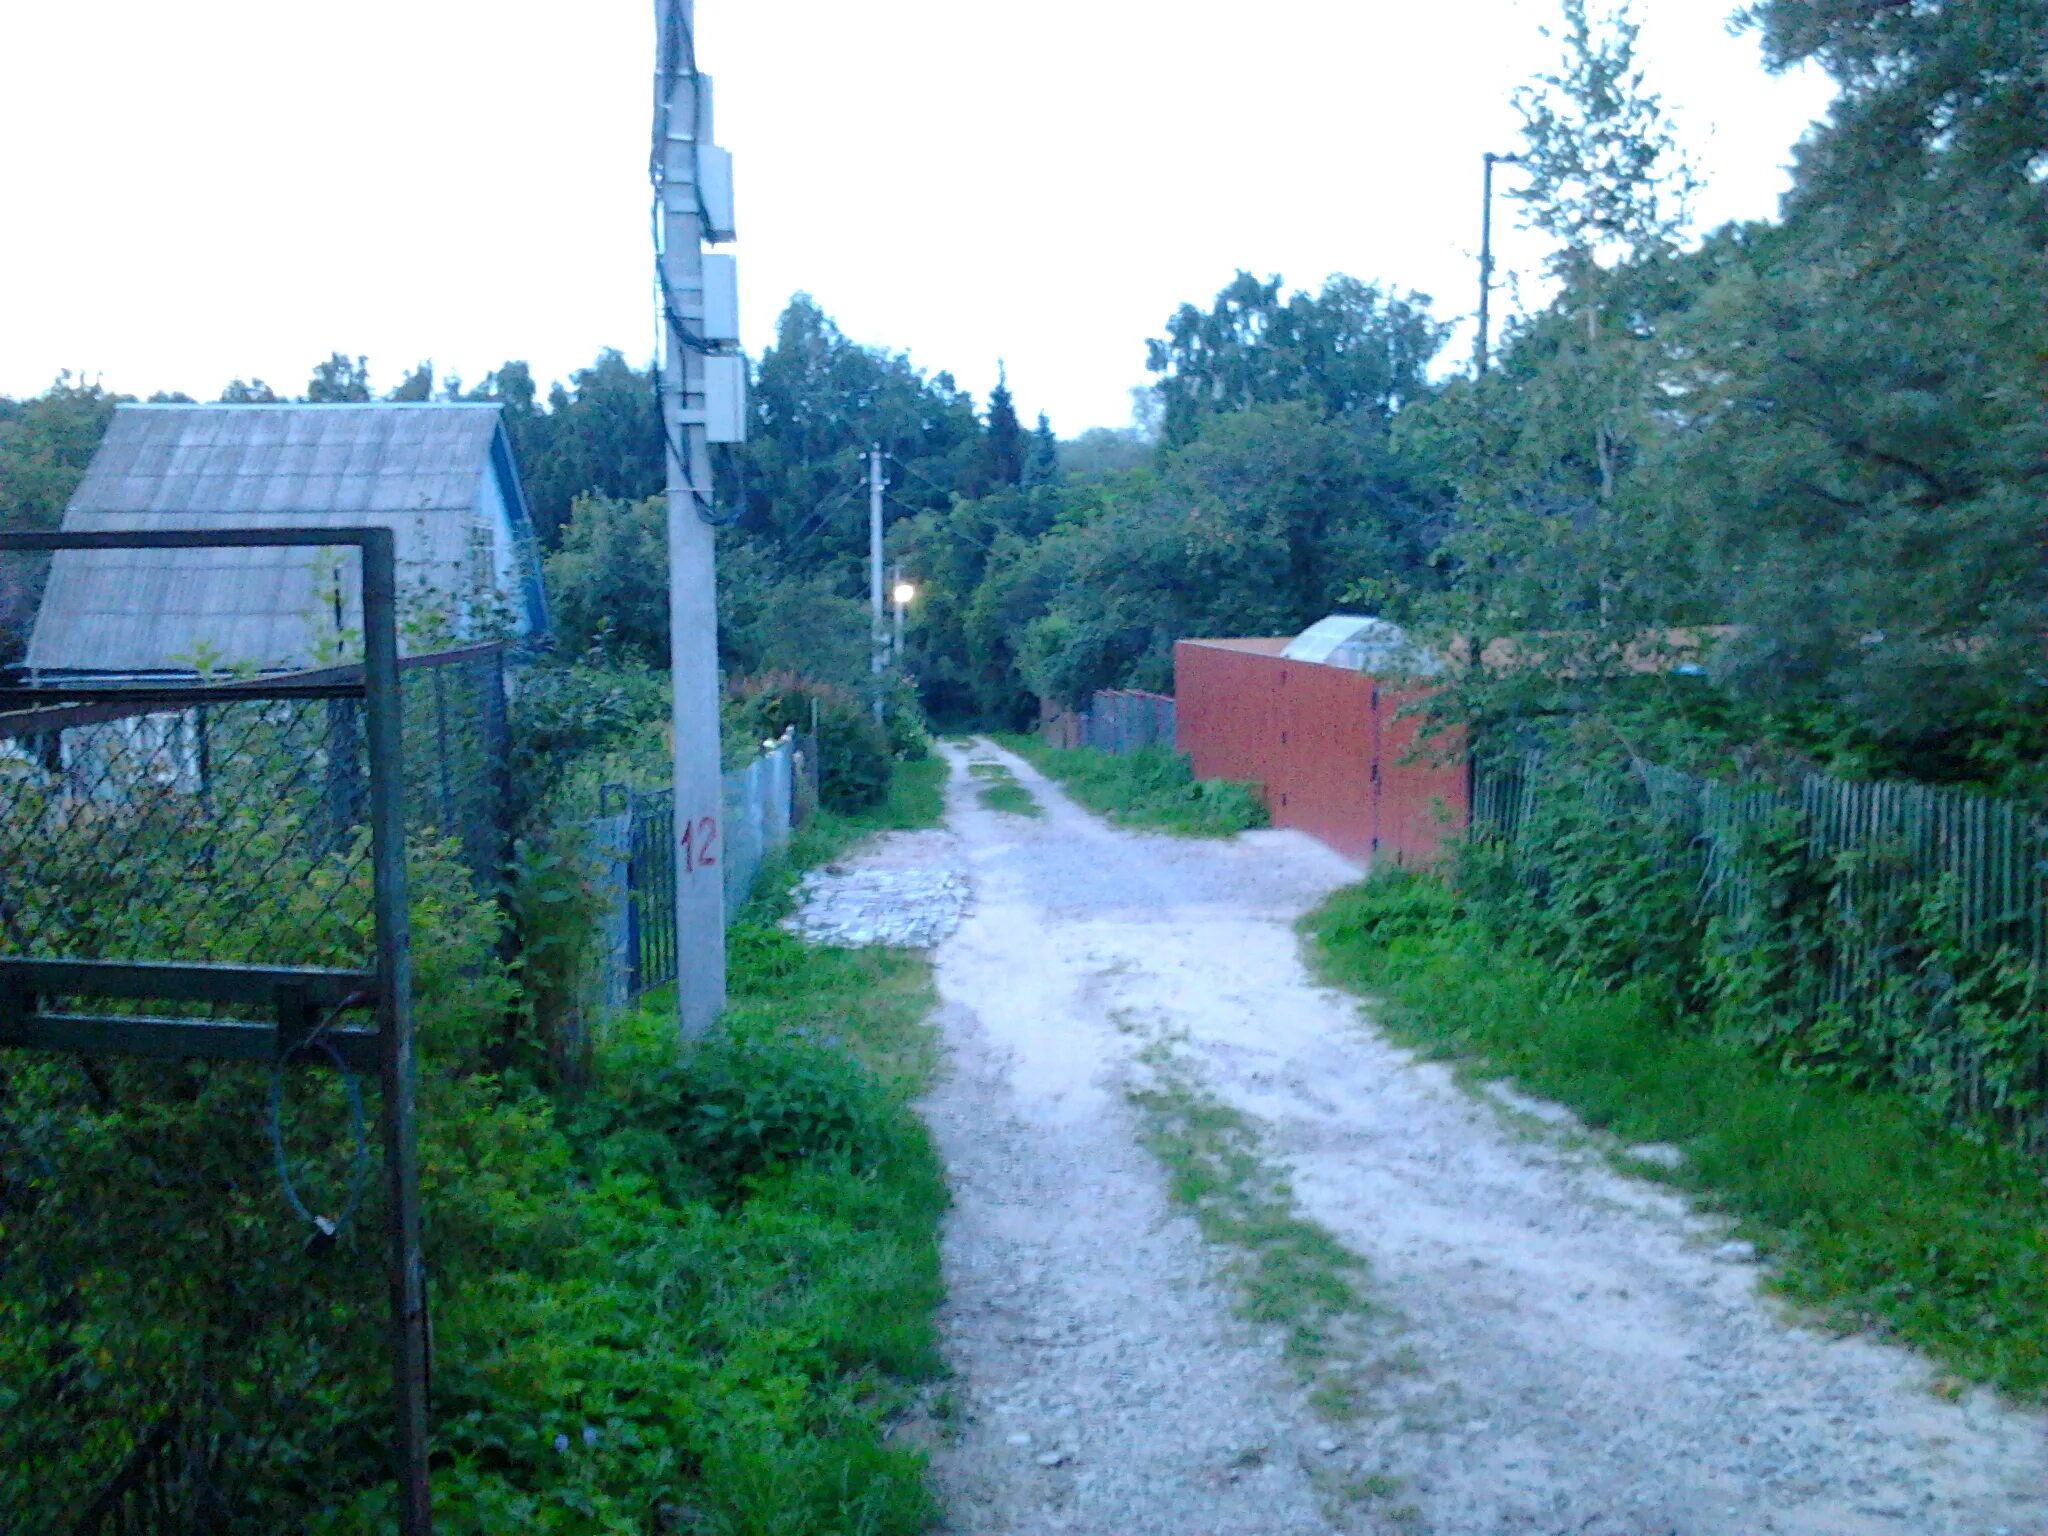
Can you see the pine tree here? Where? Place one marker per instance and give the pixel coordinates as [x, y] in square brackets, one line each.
[1005, 436]
[1042, 457]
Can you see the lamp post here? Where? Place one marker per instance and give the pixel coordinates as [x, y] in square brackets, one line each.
[1489, 160]
[903, 594]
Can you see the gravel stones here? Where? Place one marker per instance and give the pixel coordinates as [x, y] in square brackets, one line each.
[856, 908]
[1563, 1348]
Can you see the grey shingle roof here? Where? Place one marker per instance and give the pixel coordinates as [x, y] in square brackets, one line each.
[416, 469]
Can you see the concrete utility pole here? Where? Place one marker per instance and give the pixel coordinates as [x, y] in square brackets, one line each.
[1490, 160]
[899, 600]
[681, 121]
[878, 637]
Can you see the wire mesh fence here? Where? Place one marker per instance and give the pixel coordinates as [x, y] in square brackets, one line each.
[195, 1329]
[1884, 930]
[230, 822]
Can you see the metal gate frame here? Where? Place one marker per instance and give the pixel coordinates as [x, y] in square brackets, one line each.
[299, 996]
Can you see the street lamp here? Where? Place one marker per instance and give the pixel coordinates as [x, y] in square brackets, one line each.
[904, 594]
[1490, 160]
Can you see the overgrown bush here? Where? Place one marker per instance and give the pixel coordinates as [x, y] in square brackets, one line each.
[557, 908]
[576, 724]
[853, 752]
[1849, 962]
[1603, 880]
[904, 722]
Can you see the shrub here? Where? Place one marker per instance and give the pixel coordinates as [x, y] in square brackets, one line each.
[754, 1106]
[566, 718]
[558, 910]
[904, 722]
[853, 752]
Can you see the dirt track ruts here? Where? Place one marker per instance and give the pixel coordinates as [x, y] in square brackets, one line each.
[1563, 1349]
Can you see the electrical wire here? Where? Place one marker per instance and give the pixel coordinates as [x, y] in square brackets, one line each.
[358, 1170]
[817, 514]
[951, 530]
[927, 479]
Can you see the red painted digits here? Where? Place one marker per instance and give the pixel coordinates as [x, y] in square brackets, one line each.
[699, 839]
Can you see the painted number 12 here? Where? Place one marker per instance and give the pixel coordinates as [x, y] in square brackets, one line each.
[700, 843]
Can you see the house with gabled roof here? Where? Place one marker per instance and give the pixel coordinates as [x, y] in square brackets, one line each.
[439, 475]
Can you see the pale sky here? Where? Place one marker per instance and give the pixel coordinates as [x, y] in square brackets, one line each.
[238, 187]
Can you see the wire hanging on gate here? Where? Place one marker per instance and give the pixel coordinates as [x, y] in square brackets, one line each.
[327, 1228]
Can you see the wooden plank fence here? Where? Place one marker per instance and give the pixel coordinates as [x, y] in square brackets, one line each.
[1919, 928]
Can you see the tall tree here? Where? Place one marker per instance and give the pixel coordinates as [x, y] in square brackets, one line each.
[1003, 442]
[1354, 349]
[415, 386]
[819, 400]
[1042, 456]
[339, 380]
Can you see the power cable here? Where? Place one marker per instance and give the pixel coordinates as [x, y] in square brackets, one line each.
[326, 1228]
[927, 479]
[951, 529]
[817, 514]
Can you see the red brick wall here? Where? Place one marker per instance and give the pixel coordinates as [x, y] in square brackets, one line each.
[1326, 746]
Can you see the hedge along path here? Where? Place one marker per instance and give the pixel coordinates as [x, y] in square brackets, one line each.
[1554, 1346]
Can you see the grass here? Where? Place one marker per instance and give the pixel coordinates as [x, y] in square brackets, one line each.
[1000, 790]
[747, 1303]
[1869, 1212]
[1152, 790]
[1287, 1271]
[916, 800]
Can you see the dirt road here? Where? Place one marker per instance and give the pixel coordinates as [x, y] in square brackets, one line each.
[1558, 1348]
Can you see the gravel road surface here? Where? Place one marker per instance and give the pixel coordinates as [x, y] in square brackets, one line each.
[1557, 1347]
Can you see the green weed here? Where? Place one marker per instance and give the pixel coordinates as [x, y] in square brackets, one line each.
[1152, 790]
[1288, 1272]
[1000, 790]
[1869, 1210]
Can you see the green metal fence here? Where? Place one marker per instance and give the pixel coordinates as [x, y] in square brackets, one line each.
[634, 838]
[1894, 929]
[205, 997]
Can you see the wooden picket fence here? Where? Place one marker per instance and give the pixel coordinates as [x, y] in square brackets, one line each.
[1923, 939]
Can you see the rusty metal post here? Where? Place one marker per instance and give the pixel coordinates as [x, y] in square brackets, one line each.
[406, 1267]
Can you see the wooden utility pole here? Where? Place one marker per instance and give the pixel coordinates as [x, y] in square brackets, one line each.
[682, 124]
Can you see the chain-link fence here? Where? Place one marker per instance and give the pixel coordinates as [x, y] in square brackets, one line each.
[229, 822]
[196, 1282]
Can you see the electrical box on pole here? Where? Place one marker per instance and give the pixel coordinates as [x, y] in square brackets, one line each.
[725, 399]
[693, 203]
[721, 298]
[715, 185]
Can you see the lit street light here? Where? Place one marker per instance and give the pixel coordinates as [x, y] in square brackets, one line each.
[904, 594]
